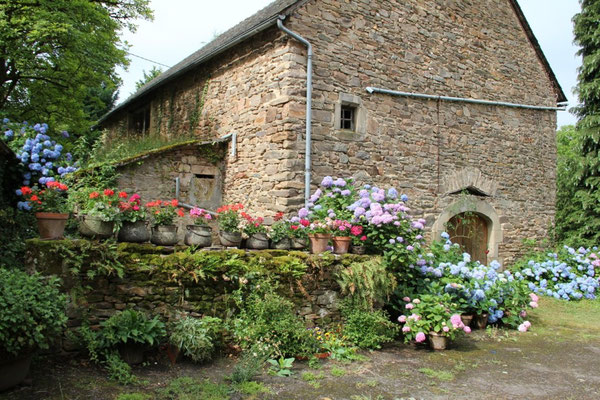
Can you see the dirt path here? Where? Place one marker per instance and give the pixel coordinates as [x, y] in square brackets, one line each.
[486, 365]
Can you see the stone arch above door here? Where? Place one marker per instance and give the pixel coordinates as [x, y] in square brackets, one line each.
[468, 179]
[479, 206]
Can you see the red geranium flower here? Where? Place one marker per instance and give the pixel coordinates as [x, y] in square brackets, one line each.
[304, 222]
[123, 195]
[109, 192]
[94, 195]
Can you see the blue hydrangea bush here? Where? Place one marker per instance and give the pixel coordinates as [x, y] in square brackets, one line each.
[568, 274]
[42, 157]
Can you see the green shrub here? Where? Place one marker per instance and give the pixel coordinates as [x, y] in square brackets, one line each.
[248, 366]
[15, 227]
[130, 326]
[32, 311]
[368, 329]
[269, 320]
[196, 337]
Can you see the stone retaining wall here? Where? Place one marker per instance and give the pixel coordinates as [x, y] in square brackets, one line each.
[165, 281]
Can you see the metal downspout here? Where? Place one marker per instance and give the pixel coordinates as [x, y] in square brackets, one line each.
[461, 99]
[307, 160]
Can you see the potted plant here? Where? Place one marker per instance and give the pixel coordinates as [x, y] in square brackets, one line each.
[163, 213]
[280, 235]
[131, 333]
[359, 238]
[433, 316]
[299, 234]
[228, 218]
[341, 236]
[132, 219]
[320, 233]
[196, 338]
[32, 315]
[199, 234]
[256, 232]
[98, 211]
[50, 207]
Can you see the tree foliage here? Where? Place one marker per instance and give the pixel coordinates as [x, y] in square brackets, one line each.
[584, 223]
[54, 52]
[148, 76]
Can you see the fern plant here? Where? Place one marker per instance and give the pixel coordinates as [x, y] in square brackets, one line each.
[130, 326]
[366, 283]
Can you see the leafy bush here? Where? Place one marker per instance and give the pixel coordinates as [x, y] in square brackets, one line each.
[32, 311]
[269, 321]
[368, 329]
[196, 337]
[431, 313]
[130, 326]
[15, 227]
[568, 274]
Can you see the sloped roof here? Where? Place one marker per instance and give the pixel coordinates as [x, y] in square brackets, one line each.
[267, 17]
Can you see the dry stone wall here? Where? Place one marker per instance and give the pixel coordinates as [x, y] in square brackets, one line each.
[167, 281]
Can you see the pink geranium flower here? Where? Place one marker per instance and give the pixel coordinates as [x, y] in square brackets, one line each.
[533, 304]
[406, 328]
[409, 306]
[420, 337]
[527, 324]
[406, 299]
[522, 328]
[446, 329]
[402, 318]
[467, 329]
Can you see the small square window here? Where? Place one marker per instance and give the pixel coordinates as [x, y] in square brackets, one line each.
[347, 117]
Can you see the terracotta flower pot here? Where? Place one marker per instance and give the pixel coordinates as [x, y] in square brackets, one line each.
[198, 235]
[132, 353]
[438, 341]
[318, 242]
[341, 244]
[283, 244]
[134, 232]
[13, 370]
[164, 235]
[480, 321]
[94, 227]
[230, 239]
[51, 225]
[258, 241]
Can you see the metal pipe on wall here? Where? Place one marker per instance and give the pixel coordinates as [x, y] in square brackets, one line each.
[308, 137]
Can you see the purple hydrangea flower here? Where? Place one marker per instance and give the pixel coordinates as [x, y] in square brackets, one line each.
[327, 181]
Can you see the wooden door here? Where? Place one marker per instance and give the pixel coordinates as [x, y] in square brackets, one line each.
[470, 231]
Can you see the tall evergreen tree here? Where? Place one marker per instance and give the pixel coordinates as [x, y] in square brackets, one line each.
[586, 221]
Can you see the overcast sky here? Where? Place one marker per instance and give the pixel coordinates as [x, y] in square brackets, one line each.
[181, 27]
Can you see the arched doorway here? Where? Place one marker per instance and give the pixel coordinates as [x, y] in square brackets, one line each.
[470, 231]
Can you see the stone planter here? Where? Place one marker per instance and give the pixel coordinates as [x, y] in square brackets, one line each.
[13, 370]
[132, 353]
[319, 242]
[164, 235]
[94, 227]
[230, 239]
[466, 319]
[283, 244]
[258, 241]
[198, 235]
[438, 341]
[358, 249]
[134, 232]
[480, 321]
[298, 243]
[341, 244]
[51, 225]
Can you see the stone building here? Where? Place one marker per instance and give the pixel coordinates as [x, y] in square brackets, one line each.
[451, 101]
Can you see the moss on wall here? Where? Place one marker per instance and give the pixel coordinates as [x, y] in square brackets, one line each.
[103, 277]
